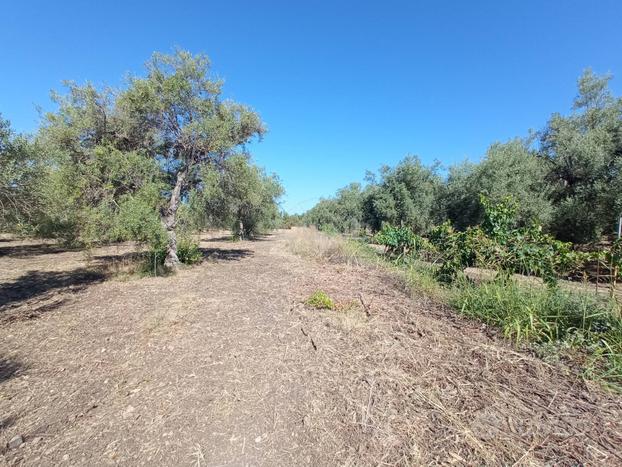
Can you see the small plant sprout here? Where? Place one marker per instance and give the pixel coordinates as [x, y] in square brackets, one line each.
[321, 301]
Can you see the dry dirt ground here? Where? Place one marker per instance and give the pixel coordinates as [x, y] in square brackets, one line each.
[223, 364]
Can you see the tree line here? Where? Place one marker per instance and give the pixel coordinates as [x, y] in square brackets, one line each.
[161, 157]
[566, 177]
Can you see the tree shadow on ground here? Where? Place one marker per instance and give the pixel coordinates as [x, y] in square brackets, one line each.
[226, 254]
[21, 251]
[260, 237]
[105, 260]
[37, 284]
[8, 369]
[232, 239]
[223, 238]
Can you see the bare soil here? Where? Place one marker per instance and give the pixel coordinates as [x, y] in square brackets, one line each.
[223, 364]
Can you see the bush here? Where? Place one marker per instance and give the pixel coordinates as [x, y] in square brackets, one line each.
[321, 301]
[188, 251]
[400, 242]
[500, 245]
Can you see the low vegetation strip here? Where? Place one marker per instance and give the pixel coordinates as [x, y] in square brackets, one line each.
[581, 327]
[438, 387]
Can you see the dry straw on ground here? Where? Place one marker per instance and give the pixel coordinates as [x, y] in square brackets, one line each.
[224, 364]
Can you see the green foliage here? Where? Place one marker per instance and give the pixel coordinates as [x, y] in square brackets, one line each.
[343, 213]
[509, 169]
[584, 152]
[400, 242]
[106, 195]
[405, 195]
[287, 221]
[21, 176]
[454, 247]
[188, 251]
[499, 244]
[118, 164]
[551, 315]
[111, 150]
[499, 218]
[238, 195]
[321, 301]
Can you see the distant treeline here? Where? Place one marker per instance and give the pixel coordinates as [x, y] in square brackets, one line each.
[566, 177]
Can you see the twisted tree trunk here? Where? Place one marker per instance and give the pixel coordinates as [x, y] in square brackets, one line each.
[169, 220]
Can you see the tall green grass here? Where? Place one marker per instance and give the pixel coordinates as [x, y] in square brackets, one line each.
[587, 323]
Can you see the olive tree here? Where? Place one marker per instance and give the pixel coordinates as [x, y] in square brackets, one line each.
[584, 151]
[173, 119]
[508, 169]
[20, 176]
[343, 212]
[97, 188]
[177, 116]
[406, 194]
[239, 195]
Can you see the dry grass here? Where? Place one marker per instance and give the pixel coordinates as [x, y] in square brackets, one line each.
[223, 364]
[310, 243]
[414, 384]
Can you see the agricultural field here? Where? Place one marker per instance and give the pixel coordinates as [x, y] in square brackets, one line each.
[355, 234]
[226, 362]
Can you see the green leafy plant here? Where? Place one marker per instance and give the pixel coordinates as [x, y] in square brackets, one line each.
[321, 301]
[188, 251]
[400, 242]
[502, 246]
[456, 253]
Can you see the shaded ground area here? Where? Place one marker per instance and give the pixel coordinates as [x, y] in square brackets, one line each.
[222, 364]
[38, 276]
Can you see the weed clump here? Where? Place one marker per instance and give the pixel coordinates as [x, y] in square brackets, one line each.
[321, 301]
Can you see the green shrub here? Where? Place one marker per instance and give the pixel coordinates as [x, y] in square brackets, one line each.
[321, 301]
[500, 245]
[456, 249]
[188, 251]
[328, 229]
[401, 242]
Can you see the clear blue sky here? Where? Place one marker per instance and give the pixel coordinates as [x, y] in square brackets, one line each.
[343, 86]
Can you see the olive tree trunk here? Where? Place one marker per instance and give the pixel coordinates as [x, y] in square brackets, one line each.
[169, 220]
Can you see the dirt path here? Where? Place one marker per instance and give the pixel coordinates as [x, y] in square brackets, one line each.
[221, 364]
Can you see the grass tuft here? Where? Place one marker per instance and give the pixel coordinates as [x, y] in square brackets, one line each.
[321, 301]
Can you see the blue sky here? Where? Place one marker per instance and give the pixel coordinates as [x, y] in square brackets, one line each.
[343, 86]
